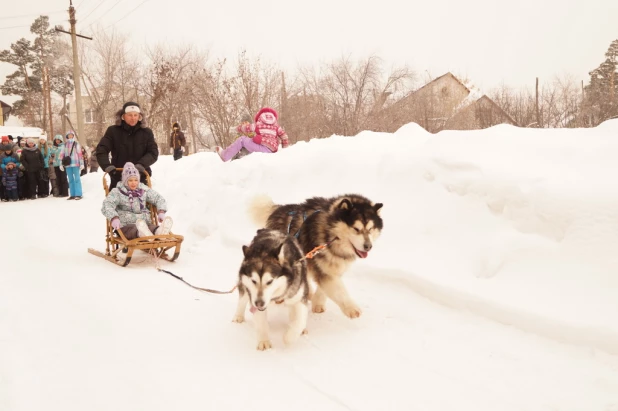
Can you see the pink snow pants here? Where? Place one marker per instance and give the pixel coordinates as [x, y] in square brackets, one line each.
[246, 142]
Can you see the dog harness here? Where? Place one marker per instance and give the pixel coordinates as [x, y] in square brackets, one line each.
[292, 214]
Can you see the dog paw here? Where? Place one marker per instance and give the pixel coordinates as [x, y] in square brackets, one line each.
[352, 311]
[318, 308]
[292, 335]
[238, 319]
[264, 345]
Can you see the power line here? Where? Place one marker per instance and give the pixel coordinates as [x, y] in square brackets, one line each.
[27, 25]
[13, 27]
[126, 15]
[92, 11]
[32, 14]
[108, 10]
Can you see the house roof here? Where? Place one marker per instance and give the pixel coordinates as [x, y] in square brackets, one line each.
[447, 74]
[412, 94]
[493, 103]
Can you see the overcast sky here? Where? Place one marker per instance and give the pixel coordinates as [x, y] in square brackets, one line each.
[488, 41]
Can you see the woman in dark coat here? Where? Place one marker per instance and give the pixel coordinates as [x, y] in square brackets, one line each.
[33, 162]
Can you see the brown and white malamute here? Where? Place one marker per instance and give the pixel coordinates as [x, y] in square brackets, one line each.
[351, 220]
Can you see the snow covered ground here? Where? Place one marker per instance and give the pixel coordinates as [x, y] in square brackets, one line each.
[494, 285]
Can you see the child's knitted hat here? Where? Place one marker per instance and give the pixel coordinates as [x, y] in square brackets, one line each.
[129, 171]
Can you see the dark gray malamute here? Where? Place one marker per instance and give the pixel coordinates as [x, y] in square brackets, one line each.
[273, 269]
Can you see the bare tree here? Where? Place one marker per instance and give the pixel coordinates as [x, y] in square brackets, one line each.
[346, 97]
[218, 101]
[559, 104]
[108, 71]
[258, 83]
[164, 87]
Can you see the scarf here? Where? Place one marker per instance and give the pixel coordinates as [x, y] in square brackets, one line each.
[133, 194]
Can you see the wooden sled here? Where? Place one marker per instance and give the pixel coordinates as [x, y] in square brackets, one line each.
[158, 245]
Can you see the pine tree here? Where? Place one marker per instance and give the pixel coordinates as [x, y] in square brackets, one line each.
[30, 58]
[21, 82]
[601, 101]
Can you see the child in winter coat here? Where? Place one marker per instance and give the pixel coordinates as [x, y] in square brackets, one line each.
[73, 149]
[126, 207]
[9, 182]
[268, 134]
[9, 155]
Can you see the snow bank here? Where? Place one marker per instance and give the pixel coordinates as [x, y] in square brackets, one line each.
[519, 225]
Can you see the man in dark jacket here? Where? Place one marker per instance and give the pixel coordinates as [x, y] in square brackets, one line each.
[128, 140]
[178, 142]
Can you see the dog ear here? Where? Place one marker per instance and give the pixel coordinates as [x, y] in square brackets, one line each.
[282, 254]
[244, 250]
[378, 208]
[344, 204]
[277, 252]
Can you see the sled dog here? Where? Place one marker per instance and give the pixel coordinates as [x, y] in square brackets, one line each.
[351, 220]
[273, 270]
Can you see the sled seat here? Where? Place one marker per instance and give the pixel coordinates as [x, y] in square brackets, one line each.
[158, 245]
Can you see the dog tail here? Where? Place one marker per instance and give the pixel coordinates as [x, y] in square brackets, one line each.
[260, 208]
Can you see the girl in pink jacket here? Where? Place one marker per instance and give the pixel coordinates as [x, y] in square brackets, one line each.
[267, 134]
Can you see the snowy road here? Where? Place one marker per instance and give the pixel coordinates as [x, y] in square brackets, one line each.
[78, 333]
[472, 241]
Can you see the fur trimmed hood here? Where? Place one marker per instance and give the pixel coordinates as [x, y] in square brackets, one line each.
[266, 110]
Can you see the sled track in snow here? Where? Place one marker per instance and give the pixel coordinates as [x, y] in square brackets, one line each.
[590, 337]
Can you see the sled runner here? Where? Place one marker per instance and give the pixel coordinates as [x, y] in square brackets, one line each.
[158, 245]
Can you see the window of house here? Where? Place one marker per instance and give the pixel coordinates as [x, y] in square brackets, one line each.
[89, 116]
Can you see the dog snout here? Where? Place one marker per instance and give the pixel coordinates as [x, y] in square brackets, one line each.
[367, 246]
[259, 304]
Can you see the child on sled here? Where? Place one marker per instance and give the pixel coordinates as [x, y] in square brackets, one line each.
[125, 207]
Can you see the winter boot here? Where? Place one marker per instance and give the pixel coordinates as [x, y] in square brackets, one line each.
[165, 227]
[219, 150]
[142, 229]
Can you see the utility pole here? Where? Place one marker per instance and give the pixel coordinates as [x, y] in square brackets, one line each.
[47, 100]
[79, 112]
[77, 77]
[538, 114]
[44, 83]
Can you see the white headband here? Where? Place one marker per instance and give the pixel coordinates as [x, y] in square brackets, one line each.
[132, 109]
